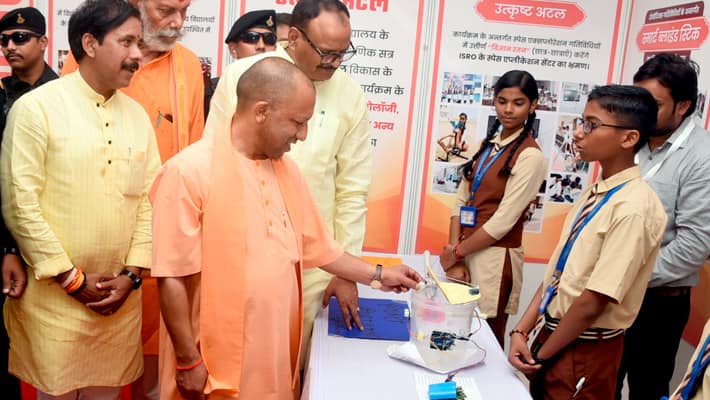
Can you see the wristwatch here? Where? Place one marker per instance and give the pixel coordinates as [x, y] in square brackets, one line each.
[137, 280]
[538, 360]
[376, 282]
[10, 250]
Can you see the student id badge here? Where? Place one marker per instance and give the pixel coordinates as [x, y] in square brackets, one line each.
[467, 216]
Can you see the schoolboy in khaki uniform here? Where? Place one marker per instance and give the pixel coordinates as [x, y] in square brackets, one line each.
[618, 224]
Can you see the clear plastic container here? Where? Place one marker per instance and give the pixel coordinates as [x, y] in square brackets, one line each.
[432, 313]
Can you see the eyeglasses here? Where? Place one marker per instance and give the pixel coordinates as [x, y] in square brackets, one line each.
[588, 126]
[330, 57]
[253, 37]
[17, 38]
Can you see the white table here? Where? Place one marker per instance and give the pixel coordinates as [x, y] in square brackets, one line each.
[344, 369]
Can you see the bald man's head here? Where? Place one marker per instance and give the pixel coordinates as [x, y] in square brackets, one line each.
[274, 103]
[274, 80]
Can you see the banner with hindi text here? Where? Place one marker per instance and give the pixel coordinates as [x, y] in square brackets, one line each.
[561, 45]
[386, 34]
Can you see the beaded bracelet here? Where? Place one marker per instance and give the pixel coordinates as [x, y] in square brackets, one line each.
[514, 331]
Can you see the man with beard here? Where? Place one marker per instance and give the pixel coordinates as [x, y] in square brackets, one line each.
[170, 87]
[675, 164]
[23, 40]
[337, 157]
[77, 160]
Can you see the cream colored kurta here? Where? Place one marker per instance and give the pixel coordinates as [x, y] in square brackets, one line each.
[75, 174]
[522, 186]
[335, 159]
[614, 254]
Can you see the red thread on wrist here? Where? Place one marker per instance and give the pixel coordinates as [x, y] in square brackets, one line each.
[188, 367]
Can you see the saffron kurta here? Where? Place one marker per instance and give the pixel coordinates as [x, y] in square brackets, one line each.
[335, 159]
[243, 225]
[76, 169]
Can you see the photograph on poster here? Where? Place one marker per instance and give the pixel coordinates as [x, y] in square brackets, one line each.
[457, 133]
[548, 96]
[563, 187]
[461, 88]
[547, 93]
[446, 178]
[563, 153]
[535, 215]
[574, 97]
[61, 57]
[206, 64]
[700, 108]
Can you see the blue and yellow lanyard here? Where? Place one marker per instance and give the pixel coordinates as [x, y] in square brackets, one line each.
[564, 255]
[483, 168]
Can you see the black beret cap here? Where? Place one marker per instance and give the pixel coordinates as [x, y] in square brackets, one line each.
[258, 18]
[28, 18]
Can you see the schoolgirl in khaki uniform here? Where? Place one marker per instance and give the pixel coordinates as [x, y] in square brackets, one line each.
[502, 178]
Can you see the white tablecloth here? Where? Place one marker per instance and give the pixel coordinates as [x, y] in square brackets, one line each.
[344, 369]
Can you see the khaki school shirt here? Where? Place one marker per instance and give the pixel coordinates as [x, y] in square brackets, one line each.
[615, 253]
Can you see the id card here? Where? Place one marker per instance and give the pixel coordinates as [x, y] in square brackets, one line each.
[467, 216]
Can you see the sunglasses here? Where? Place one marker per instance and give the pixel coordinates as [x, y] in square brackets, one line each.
[17, 38]
[253, 37]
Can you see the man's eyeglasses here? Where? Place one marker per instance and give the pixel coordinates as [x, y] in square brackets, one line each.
[17, 38]
[253, 37]
[330, 57]
[588, 126]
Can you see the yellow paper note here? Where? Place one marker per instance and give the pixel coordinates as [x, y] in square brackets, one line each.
[456, 293]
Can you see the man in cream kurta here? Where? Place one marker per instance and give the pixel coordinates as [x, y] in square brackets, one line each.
[336, 159]
[78, 158]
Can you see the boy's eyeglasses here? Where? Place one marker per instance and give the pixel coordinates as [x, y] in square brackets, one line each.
[588, 126]
[253, 37]
[17, 37]
[330, 57]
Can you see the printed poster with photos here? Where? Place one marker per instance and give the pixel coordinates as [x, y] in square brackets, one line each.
[679, 27]
[560, 44]
[202, 32]
[386, 37]
[6, 6]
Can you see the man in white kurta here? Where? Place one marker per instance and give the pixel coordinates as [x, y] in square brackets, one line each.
[78, 157]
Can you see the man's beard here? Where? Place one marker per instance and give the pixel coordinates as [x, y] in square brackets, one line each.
[153, 39]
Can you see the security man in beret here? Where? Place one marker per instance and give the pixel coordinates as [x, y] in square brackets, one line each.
[254, 32]
[23, 41]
